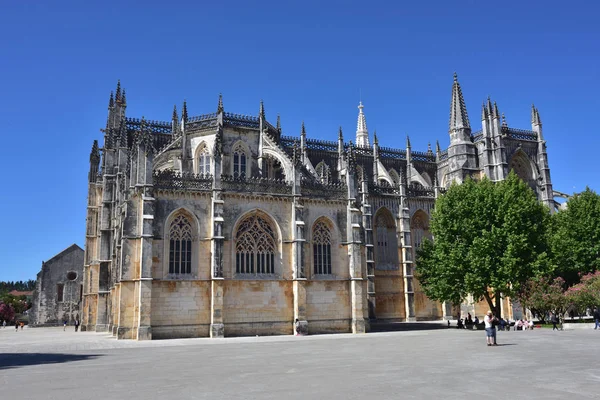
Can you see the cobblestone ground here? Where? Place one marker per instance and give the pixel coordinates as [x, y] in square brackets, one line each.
[47, 363]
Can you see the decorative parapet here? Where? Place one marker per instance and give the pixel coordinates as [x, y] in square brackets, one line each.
[421, 191]
[173, 180]
[322, 145]
[422, 156]
[134, 124]
[520, 134]
[383, 189]
[335, 190]
[255, 185]
[245, 121]
[201, 122]
[203, 117]
[388, 152]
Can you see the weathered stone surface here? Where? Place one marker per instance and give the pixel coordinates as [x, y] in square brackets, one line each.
[183, 213]
[58, 290]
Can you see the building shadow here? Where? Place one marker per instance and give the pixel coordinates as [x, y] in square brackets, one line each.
[16, 360]
[378, 326]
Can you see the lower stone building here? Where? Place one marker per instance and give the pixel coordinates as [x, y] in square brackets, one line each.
[219, 225]
[58, 289]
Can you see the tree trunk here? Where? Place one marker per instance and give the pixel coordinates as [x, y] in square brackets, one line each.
[488, 298]
[498, 309]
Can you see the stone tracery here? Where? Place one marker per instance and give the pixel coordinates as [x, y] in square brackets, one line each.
[180, 245]
[255, 247]
[321, 239]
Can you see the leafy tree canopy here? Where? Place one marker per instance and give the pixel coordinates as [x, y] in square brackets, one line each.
[23, 286]
[575, 237]
[487, 235]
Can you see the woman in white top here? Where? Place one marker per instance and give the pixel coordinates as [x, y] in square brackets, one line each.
[490, 329]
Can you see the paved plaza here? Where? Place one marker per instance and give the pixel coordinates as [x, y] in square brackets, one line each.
[47, 363]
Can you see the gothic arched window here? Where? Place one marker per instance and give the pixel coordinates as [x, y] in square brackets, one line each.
[420, 228]
[321, 238]
[323, 172]
[239, 161]
[386, 251]
[255, 247]
[180, 246]
[203, 160]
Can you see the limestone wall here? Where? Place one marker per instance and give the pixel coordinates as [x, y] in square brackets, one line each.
[426, 309]
[389, 295]
[180, 309]
[328, 306]
[258, 307]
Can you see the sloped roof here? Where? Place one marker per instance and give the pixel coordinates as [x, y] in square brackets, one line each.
[74, 245]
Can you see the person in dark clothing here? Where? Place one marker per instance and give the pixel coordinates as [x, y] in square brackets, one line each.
[596, 318]
[76, 325]
[554, 321]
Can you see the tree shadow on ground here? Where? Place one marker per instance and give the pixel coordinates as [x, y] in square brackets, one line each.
[16, 360]
[405, 326]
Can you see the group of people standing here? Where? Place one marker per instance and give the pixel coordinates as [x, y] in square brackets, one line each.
[65, 323]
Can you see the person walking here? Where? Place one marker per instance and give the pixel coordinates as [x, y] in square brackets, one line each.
[64, 325]
[76, 325]
[16, 326]
[554, 321]
[596, 318]
[490, 329]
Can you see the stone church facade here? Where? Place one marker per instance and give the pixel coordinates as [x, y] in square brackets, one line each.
[219, 225]
[58, 289]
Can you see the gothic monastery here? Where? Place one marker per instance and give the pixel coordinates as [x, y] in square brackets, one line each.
[219, 225]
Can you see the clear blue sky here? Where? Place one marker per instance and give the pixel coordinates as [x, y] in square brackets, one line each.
[307, 60]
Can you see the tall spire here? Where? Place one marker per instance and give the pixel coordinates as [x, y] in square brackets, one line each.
[407, 141]
[375, 142]
[278, 123]
[484, 112]
[504, 121]
[118, 92]
[302, 130]
[340, 134]
[175, 117]
[458, 111]
[495, 113]
[111, 101]
[535, 116]
[184, 114]
[123, 99]
[437, 147]
[95, 153]
[220, 108]
[362, 134]
[261, 111]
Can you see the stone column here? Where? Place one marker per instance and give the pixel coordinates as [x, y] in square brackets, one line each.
[407, 255]
[217, 328]
[298, 262]
[367, 220]
[355, 263]
[135, 294]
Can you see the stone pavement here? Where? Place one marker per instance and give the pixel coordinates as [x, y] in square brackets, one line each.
[47, 363]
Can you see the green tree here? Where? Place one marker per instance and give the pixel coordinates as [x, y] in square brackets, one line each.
[575, 237]
[487, 235]
[542, 295]
[585, 294]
